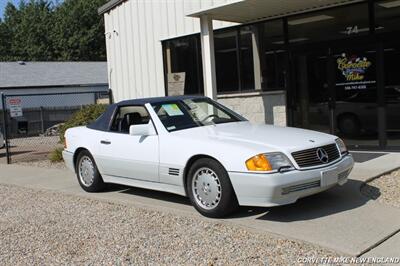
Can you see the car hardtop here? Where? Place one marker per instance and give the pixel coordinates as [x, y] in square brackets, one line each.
[103, 123]
[155, 100]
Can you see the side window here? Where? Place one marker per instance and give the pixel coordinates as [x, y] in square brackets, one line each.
[127, 116]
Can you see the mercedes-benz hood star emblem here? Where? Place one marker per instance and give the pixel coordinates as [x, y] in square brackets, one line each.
[322, 155]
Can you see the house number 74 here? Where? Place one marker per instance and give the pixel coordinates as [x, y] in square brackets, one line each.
[352, 30]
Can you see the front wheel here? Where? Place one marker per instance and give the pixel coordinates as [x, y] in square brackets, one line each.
[88, 175]
[210, 189]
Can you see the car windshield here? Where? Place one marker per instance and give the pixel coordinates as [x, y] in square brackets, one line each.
[189, 113]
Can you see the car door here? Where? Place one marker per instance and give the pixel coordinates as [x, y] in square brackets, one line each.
[126, 156]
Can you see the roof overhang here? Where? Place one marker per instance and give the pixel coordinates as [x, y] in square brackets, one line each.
[108, 6]
[246, 11]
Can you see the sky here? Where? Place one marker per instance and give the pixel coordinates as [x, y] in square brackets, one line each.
[3, 4]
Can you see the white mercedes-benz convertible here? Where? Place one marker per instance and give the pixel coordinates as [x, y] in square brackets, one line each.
[195, 147]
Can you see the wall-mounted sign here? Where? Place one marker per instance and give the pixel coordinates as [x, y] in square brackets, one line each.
[176, 83]
[355, 72]
[15, 106]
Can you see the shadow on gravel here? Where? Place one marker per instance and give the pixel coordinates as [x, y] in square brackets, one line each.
[248, 212]
[335, 200]
[164, 196]
[370, 191]
[14, 153]
[115, 188]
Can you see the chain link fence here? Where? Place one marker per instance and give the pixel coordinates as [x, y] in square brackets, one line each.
[31, 122]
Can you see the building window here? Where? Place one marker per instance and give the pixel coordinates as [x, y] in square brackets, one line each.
[387, 16]
[234, 60]
[330, 24]
[183, 66]
[251, 57]
[247, 42]
[273, 55]
[226, 61]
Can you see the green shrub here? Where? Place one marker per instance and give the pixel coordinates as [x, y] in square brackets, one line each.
[56, 155]
[82, 117]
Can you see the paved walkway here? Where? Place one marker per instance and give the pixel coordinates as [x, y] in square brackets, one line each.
[340, 219]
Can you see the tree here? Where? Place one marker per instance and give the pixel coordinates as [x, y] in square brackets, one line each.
[39, 30]
[6, 33]
[27, 31]
[5, 43]
[79, 31]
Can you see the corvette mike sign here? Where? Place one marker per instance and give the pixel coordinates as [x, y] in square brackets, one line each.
[355, 72]
[15, 106]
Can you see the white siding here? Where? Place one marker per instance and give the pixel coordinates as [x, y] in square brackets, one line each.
[134, 31]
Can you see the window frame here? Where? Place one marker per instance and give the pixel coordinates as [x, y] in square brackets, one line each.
[117, 112]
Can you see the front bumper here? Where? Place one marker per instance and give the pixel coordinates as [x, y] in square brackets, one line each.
[69, 160]
[266, 190]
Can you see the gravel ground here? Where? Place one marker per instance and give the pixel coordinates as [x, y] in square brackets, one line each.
[44, 164]
[42, 227]
[384, 189]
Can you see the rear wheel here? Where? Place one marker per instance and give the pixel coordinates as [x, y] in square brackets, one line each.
[87, 173]
[210, 189]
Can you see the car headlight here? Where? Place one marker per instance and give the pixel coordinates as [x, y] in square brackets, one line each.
[342, 147]
[275, 161]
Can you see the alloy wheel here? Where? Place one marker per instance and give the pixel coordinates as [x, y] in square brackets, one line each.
[206, 188]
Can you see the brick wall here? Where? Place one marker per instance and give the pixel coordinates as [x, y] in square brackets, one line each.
[258, 107]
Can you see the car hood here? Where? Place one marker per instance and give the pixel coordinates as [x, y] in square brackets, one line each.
[265, 137]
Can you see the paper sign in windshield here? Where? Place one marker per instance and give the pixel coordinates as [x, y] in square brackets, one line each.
[172, 109]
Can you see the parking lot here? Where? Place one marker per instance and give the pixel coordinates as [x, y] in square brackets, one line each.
[54, 228]
[340, 221]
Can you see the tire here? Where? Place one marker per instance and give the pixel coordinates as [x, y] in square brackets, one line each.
[87, 173]
[210, 190]
[349, 125]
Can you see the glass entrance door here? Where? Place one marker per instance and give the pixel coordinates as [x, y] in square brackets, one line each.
[355, 90]
[391, 61]
[336, 92]
[312, 107]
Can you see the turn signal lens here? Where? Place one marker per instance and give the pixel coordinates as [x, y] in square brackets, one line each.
[342, 147]
[65, 142]
[258, 163]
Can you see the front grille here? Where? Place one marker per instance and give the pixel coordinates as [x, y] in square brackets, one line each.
[304, 186]
[309, 157]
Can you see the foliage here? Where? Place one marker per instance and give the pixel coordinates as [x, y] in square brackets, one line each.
[83, 117]
[79, 31]
[39, 30]
[56, 155]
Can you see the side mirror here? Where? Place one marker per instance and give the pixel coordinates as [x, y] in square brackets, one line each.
[142, 130]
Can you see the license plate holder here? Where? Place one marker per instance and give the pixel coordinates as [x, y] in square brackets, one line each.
[329, 177]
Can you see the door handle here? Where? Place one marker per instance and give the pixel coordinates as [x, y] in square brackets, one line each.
[105, 142]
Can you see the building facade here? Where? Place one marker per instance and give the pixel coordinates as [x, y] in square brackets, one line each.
[49, 80]
[326, 65]
[48, 93]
